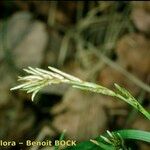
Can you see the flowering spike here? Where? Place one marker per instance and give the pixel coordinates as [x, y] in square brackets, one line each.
[39, 78]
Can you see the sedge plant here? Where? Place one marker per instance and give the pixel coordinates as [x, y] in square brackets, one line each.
[39, 78]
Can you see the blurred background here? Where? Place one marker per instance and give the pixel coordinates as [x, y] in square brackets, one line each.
[97, 41]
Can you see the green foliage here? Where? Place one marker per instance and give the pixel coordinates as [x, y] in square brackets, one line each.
[113, 140]
[39, 78]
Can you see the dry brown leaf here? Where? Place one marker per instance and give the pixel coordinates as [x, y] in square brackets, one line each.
[24, 38]
[134, 54]
[141, 16]
[29, 51]
[141, 123]
[108, 76]
[81, 115]
[15, 120]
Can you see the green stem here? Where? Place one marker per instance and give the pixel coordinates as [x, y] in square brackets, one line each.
[136, 105]
[105, 91]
